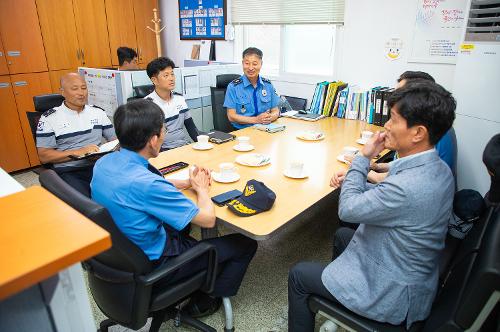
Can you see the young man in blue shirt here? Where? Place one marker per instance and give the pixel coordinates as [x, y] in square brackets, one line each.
[154, 214]
[251, 99]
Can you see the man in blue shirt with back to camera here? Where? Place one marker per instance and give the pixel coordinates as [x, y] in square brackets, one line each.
[251, 99]
[154, 214]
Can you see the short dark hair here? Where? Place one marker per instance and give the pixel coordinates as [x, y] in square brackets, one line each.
[136, 122]
[159, 64]
[125, 54]
[253, 51]
[414, 75]
[425, 103]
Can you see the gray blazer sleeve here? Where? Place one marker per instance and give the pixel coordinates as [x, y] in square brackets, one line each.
[376, 205]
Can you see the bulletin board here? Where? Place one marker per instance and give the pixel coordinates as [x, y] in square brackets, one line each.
[439, 26]
[202, 19]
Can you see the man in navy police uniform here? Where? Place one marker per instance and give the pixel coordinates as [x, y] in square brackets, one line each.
[251, 99]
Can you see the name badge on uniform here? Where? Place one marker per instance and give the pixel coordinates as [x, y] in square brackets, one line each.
[264, 93]
[243, 109]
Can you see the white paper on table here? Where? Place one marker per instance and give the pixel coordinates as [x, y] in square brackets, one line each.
[109, 146]
[179, 175]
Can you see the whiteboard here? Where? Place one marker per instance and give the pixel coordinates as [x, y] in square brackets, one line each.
[439, 25]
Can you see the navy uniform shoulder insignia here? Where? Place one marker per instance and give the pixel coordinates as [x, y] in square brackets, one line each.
[176, 93]
[267, 80]
[99, 107]
[149, 98]
[49, 112]
[237, 81]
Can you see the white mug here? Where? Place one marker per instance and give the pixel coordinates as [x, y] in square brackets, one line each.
[227, 170]
[243, 141]
[349, 151]
[296, 167]
[202, 139]
[366, 135]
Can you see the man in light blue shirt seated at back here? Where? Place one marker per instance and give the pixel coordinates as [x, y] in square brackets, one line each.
[251, 99]
[155, 215]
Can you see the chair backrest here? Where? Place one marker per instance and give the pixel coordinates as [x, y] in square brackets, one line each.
[112, 274]
[33, 118]
[296, 103]
[473, 277]
[46, 102]
[453, 137]
[142, 91]
[221, 122]
[223, 80]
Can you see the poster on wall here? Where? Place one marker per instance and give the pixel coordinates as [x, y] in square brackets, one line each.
[202, 19]
[438, 30]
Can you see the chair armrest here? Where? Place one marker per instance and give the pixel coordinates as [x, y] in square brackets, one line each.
[177, 262]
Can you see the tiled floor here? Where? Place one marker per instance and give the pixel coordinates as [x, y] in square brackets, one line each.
[261, 304]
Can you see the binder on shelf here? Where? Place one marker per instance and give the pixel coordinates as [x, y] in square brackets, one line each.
[386, 113]
[378, 100]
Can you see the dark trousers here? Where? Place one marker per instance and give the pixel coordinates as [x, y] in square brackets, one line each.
[304, 279]
[234, 253]
[78, 178]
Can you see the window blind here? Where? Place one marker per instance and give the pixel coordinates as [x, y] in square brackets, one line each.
[287, 11]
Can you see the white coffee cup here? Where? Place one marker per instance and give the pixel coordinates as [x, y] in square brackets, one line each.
[227, 170]
[296, 167]
[202, 139]
[243, 141]
[366, 135]
[349, 151]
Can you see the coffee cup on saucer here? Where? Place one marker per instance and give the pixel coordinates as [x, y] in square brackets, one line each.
[296, 168]
[243, 142]
[202, 140]
[366, 135]
[349, 151]
[227, 171]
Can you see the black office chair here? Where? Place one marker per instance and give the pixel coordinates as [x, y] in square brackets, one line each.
[42, 103]
[218, 94]
[142, 91]
[223, 80]
[122, 279]
[472, 279]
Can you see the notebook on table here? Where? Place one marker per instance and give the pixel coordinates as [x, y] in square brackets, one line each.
[219, 137]
[303, 116]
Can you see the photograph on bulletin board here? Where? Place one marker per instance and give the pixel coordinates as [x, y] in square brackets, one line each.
[202, 19]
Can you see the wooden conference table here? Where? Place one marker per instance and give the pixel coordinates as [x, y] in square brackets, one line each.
[293, 196]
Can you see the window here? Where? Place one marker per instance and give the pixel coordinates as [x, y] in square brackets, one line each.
[302, 49]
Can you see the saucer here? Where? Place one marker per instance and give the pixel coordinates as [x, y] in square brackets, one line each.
[361, 141]
[310, 135]
[198, 146]
[218, 178]
[245, 148]
[253, 159]
[288, 174]
[340, 158]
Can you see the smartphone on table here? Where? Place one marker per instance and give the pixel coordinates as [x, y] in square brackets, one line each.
[224, 198]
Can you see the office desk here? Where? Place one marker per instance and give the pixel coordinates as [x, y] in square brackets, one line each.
[41, 235]
[293, 195]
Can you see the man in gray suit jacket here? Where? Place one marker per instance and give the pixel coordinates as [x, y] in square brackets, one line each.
[389, 270]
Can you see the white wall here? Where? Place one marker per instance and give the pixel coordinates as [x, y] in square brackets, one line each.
[179, 50]
[368, 25]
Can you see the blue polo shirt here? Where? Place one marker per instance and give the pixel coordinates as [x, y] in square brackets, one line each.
[140, 201]
[446, 150]
[250, 101]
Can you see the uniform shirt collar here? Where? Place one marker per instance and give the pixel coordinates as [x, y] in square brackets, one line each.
[246, 81]
[134, 157]
[156, 97]
[67, 109]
